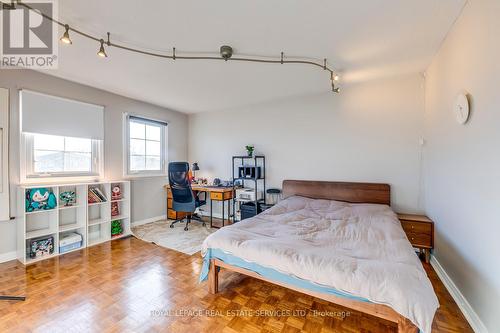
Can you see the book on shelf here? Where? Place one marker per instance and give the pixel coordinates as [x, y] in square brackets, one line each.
[99, 193]
[95, 195]
[92, 197]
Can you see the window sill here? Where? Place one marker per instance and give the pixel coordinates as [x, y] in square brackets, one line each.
[59, 179]
[145, 175]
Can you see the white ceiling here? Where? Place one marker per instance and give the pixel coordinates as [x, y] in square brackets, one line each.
[364, 39]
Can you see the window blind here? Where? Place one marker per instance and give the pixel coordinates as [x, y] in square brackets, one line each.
[147, 121]
[45, 114]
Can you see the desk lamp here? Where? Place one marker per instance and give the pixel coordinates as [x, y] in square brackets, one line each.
[195, 168]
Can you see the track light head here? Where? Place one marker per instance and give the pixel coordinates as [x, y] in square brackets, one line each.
[226, 52]
[336, 90]
[102, 51]
[65, 37]
[334, 77]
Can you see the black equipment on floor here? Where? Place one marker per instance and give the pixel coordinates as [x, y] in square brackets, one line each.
[248, 210]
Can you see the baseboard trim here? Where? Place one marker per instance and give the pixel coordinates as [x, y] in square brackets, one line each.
[214, 215]
[151, 219]
[463, 304]
[8, 256]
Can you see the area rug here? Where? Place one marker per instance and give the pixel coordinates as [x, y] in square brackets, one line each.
[176, 238]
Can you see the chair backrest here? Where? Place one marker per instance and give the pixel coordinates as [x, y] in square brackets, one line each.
[183, 199]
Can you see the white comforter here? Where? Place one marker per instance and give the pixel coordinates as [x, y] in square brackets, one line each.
[360, 249]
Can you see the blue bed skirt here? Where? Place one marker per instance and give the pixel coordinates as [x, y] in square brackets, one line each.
[269, 273]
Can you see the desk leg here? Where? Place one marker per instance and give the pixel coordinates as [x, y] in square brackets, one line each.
[223, 212]
[211, 211]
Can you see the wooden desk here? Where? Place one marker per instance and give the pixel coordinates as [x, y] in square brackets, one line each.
[215, 193]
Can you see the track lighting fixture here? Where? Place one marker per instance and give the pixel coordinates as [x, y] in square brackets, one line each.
[65, 37]
[102, 51]
[226, 52]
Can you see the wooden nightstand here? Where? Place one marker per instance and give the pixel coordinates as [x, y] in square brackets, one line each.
[420, 232]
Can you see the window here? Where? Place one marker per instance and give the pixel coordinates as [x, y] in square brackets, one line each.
[147, 149]
[56, 156]
[60, 137]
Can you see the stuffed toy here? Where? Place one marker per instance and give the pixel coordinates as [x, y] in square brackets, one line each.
[116, 192]
[115, 209]
[68, 197]
[40, 198]
[116, 228]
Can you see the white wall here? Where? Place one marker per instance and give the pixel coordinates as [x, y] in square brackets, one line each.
[148, 197]
[462, 163]
[370, 132]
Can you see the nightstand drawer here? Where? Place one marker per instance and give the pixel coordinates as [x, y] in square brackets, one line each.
[417, 227]
[419, 239]
[169, 203]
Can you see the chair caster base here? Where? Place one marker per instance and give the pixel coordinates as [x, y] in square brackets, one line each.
[204, 224]
[186, 229]
[171, 226]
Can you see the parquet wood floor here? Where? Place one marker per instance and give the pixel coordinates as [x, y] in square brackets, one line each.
[132, 286]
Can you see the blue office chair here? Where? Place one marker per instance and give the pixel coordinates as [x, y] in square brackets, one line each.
[183, 198]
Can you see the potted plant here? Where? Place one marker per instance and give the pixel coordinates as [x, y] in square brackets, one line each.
[249, 149]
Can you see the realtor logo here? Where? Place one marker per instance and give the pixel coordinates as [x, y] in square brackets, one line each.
[28, 38]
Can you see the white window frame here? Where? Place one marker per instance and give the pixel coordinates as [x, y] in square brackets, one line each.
[28, 175]
[126, 148]
[4, 155]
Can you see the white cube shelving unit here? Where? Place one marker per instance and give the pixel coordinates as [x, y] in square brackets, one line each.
[91, 220]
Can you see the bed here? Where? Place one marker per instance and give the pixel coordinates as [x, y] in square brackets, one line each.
[337, 241]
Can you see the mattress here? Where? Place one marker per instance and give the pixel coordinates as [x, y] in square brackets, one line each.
[358, 249]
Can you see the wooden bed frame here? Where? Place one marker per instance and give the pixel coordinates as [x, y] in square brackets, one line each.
[341, 191]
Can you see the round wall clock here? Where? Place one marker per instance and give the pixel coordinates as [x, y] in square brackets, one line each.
[462, 108]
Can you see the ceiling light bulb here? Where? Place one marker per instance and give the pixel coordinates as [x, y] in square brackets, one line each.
[336, 78]
[65, 38]
[102, 51]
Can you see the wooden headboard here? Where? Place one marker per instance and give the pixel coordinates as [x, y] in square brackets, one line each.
[340, 191]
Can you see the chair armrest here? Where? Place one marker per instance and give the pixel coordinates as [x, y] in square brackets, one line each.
[200, 193]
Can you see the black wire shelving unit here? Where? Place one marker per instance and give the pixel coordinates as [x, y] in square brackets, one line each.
[259, 181]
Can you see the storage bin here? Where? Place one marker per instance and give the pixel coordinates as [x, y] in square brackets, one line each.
[67, 248]
[70, 242]
[248, 210]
